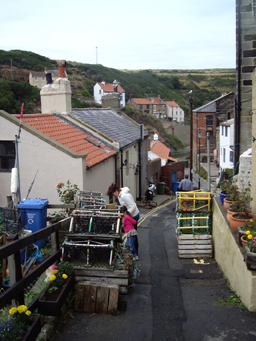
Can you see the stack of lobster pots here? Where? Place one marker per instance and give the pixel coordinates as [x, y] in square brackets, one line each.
[103, 268]
[194, 224]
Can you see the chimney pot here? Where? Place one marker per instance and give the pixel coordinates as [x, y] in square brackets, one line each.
[61, 64]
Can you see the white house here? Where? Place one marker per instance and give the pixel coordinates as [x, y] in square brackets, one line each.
[174, 111]
[226, 144]
[107, 88]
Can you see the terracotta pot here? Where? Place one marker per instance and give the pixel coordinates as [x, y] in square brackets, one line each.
[228, 203]
[239, 221]
[229, 213]
[243, 240]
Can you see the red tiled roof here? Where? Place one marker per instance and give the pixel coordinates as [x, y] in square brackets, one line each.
[141, 101]
[156, 100]
[172, 104]
[160, 149]
[108, 87]
[68, 136]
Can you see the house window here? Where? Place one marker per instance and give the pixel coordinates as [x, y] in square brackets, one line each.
[141, 106]
[231, 156]
[43, 78]
[209, 121]
[226, 131]
[224, 155]
[36, 86]
[7, 156]
[35, 79]
[222, 130]
[154, 108]
[99, 92]
[147, 106]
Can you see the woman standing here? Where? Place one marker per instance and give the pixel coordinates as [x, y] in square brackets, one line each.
[125, 199]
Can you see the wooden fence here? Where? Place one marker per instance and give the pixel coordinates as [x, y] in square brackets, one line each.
[11, 251]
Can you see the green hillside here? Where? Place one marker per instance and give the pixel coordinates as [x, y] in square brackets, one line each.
[169, 84]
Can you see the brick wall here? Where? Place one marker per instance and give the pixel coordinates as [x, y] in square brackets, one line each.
[166, 173]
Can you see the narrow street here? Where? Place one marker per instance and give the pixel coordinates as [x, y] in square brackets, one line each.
[173, 299]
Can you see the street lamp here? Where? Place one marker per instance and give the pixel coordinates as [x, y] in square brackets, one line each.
[199, 134]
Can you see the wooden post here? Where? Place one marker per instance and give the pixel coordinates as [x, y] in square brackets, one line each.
[15, 273]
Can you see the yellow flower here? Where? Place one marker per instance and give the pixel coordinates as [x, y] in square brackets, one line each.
[251, 220]
[52, 278]
[13, 311]
[250, 236]
[54, 272]
[248, 232]
[22, 309]
[64, 276]
[28, 312]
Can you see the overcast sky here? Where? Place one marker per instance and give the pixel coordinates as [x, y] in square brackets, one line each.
[134, 34]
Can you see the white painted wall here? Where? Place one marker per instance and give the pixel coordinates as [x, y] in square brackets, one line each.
[98, 92]
[176, 113]
[225, 143]
[56, 97]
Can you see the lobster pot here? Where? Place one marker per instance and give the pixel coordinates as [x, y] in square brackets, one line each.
[191, 201]
[95, 222]
[193, 223]
[12, 220]
[89, 253]
[91, 199]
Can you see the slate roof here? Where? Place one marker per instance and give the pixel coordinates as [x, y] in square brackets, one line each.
[211, 106]
[112, 124]
[43, 74]
[69, 136]
[156, 100]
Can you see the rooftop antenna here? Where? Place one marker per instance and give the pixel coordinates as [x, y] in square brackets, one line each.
[96, 55]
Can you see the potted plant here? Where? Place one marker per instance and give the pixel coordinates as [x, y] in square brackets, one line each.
[61, 282]
[21, 325]
[224, 190]
[250, 253]
[241, 230]
[246, 237]
[233, 196]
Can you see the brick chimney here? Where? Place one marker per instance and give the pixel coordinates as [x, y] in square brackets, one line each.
[56, 97]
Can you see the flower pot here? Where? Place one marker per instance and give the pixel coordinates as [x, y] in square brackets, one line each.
[239, 234]
[250, 259]
[53, 307]
[227, 203]
[34, 329]
[229, 214]
[238, 218]
[243, 240]
[223, 195]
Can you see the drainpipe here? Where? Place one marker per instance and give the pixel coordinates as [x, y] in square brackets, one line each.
[238, 100]
[122, 181]
[140, 170]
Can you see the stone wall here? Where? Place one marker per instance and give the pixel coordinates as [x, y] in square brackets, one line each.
[230, 259]
[247, 34]
[181, 131]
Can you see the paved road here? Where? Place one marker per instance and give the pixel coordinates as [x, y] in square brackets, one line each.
[174, 299]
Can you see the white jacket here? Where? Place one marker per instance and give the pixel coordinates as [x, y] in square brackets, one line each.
[125, 198]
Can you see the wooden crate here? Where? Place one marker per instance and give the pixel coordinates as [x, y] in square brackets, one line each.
[94, 297]
[191, 246]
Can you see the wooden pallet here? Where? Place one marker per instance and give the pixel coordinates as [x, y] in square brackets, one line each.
[192, 246]
[120, 275]
[94, 297]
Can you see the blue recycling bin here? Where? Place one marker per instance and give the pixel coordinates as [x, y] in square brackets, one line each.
[36, 211]
[175, 185]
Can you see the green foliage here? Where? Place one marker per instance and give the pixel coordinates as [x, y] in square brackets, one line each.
[79, 104]
[66, 193]
[232, 300]
[26, 60]
[86, 93]
[60, 275]
[13, 94]
[137, 115]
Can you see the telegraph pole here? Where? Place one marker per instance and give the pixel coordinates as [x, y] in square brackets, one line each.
[191, 135]
[96, 55]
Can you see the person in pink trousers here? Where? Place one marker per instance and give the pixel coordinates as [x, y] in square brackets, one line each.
[131, 233]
